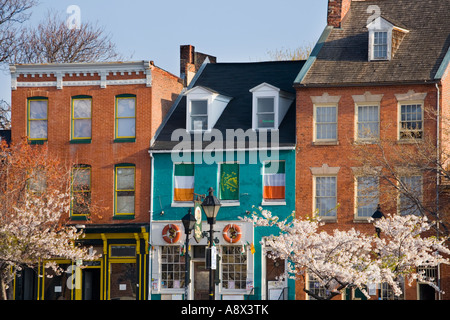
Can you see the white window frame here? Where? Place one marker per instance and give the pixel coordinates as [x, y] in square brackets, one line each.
[399, 119]
[357, 184]
[357, 122]
[380, 25]
[325, 218]
[189, 124]
[399, 199]
[315, 123]
[265, 95]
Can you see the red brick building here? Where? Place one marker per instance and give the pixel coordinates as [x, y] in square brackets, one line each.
[101, 117]
[374, 74]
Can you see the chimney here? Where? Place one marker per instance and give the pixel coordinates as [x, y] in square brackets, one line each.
[337, 9]
[191, 61]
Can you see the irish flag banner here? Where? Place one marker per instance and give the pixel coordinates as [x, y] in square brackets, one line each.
[184, 182]
[274, 180]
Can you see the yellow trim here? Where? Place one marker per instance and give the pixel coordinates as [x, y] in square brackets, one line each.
[73, 119]
[118, 190]
[83, 191]
[31, 119]
[116, 133]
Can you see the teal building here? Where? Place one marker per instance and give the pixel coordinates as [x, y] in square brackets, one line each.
[232, 130]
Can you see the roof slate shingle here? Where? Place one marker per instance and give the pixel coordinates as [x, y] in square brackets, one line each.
[343, 59]
[235, 80]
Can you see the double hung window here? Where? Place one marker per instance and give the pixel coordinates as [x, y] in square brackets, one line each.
[368, 122]
[199, 115]
[326, 196]
[325, 123]
[125, 117]
[37, 119]
[411, 121]
[124, 190]
[81, 118]
[81, 190]
[265, 113]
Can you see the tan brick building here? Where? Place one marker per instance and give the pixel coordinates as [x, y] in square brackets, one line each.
[379, 72]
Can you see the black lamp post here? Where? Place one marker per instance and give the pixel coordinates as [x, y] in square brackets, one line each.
[188, 223]
[211, 206]
[378, 215]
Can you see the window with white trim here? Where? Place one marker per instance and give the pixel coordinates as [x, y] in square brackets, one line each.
[198, 115]
[380, 45]
[234, 267]
[265, 112]
[411, 121]
[411, 191]
[325, 197]
[368, 122]
[366, 197]
[325, 126]
[172, 267]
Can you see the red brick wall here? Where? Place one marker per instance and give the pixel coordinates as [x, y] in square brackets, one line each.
[102, 153]
[342, 155]
[337, 9]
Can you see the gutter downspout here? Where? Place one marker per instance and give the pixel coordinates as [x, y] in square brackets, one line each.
[438, 158]
[150, 246]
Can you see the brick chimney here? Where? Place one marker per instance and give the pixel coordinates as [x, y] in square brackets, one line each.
[191, 61]
[337, 9]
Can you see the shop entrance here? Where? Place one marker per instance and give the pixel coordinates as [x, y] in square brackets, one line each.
[91, 283]
[201, 281]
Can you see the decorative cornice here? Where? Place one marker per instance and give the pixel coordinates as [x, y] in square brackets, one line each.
[63, 70]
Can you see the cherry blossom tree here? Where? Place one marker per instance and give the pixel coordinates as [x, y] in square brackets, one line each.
[34, 205]
[352, 259]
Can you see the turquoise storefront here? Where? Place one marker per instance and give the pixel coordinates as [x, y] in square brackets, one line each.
[255, 170]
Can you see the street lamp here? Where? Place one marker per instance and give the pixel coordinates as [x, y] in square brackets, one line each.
[188, 223]
[378, 215]
[211, 206]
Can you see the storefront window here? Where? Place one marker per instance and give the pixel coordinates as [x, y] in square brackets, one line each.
[123, 281]
[234, 267]
[172, 267]
[57, 287]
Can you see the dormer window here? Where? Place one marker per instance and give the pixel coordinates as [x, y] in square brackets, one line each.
[199, 115]
[270, 105]
[380, 45]
[204, 108]
[384, 39]
[265, 112]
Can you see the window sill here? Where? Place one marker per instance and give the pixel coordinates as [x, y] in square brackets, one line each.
[327, 219]
[326, 143]
[361, 220]
[227, 203]
[78, 218]
[124, 217]
[38, 142]
[80, 141]
[120, 140]
[187, 204]
[409, 141]
[273, 203]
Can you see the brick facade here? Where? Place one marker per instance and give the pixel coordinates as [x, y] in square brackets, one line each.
[341, 154]
[152, 103]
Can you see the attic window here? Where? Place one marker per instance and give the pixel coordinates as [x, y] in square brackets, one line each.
[199, 115]
[384, 39]
[265, 112]
[380, 45]
[270, 105]
[204, 108]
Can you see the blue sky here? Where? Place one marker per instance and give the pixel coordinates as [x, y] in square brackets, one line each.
[231, 30]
